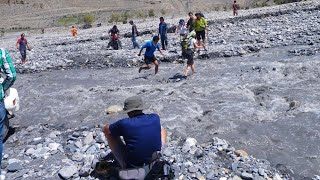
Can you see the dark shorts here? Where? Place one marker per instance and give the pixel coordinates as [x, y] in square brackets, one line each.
[149, 60]
[201, 35]
[23, 53]
[188, 54]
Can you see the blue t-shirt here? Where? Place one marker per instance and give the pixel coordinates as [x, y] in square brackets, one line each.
[163, 28]
[150, 48]
[142, 135]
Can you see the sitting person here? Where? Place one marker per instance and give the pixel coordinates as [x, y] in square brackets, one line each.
[142, 134]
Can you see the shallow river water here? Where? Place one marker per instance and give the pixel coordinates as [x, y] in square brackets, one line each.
[245, 100]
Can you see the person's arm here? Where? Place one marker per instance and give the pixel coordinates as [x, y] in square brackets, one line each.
[114, 129]
[207, 29]
[136, 30]
[160, 51]
[28, 47]
[106, 130]
[9, 71]
[144, 46]
[163, 137]
[18, 44]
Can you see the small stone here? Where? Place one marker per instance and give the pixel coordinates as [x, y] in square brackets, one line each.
[30, 151]
[261, 171]
[236, 178]
[54, 146]
[223, 178]
[294, 105]
[167, 152]
[77, 157]
[10, 161]
[84, 171]
[234, 166]
[68, 172]
[78, 144]
[201, 178]
[246, 176]
[193, 169]
[101, 138]
[13, 167]
[241, 153]
[277, 177]
[198, 153]
[114, 109]
[88, 139]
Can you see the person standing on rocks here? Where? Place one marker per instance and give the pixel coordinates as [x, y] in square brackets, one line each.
[142, 134]
[190, 22]
[189, 44]
[134, 33]
[74, 31]
[149, 57]
[235, 8]
[163, 29]
[182, 29]
[200, 25]
[22, 46]
[8, 69]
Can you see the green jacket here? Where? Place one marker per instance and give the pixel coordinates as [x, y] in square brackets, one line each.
[200, 25]
[7, 68]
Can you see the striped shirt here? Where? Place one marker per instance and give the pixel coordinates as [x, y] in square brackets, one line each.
[8, 69]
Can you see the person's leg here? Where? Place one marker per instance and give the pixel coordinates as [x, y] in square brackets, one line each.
[156, 66]
[135, 43]
[186, 71]
[198, 36]
[118, 149]
[3, 116]
[193, 69]
[204, 39]
[23, 57]
[163, 42]
[148, 64]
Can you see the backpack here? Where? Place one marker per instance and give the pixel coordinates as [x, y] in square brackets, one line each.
[157, 169]
[185, 43]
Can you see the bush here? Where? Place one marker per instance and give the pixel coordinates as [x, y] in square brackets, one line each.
[67, 21]
[151, 13]
[115, 17]
[88, 19]
[163, 12]
[140, 14]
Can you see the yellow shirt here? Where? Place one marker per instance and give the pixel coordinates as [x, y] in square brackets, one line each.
[200, 24]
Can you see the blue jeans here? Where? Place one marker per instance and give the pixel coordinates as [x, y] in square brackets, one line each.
[164, 41]
[134, 41]
[3, 116]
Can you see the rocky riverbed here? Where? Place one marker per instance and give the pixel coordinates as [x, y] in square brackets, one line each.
[258, 89]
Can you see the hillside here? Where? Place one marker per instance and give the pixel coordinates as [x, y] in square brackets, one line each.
[33, 14]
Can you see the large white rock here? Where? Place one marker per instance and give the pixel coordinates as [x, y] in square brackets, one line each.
[114, 109]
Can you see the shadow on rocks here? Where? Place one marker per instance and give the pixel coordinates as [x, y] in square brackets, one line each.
[10, 133]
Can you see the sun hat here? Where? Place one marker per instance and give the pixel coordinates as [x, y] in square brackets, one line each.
[133, 104]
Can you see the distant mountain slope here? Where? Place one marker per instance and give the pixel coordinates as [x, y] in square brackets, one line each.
[25, 14]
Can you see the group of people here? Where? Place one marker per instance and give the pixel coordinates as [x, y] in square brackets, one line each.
[192, 36]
